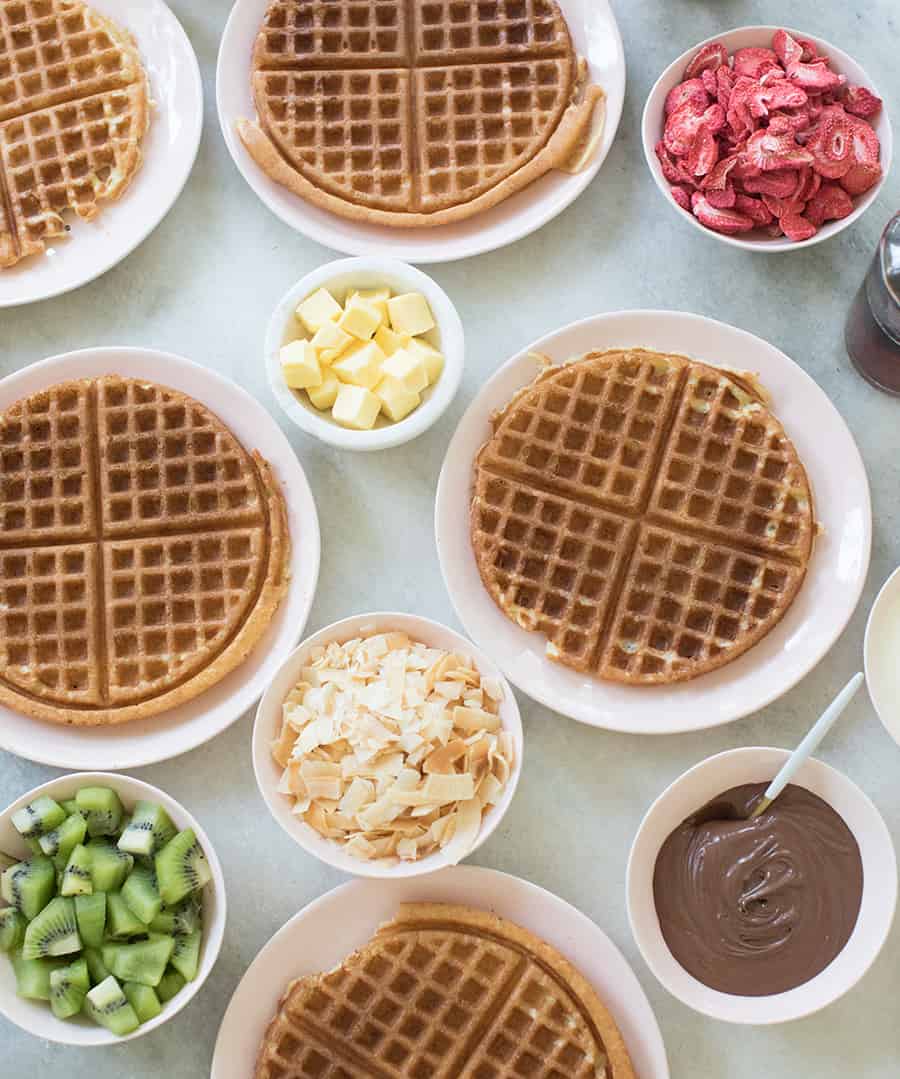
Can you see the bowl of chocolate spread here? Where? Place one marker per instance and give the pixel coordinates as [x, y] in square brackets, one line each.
[765, 920]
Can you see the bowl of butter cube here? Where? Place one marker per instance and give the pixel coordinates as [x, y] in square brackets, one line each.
[365, 353]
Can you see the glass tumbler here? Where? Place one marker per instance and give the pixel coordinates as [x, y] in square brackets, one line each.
[872, 330]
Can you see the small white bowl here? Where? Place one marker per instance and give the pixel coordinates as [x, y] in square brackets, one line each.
[362, 273]
[35, 1016]
[881, 649]
[759, 764]
[653, 122]
[268, 725]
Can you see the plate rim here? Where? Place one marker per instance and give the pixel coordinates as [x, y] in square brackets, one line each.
[543, 694]
[407, 251]
[302, 498]
[152, 222]
[474, 879]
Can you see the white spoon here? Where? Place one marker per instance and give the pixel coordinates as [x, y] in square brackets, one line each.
[809, 744]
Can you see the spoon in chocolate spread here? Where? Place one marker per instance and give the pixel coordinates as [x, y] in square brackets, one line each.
[809, 745]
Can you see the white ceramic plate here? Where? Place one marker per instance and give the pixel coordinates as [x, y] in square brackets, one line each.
[882, 647]
[814, 621]
[691, 791]
[131, 745]
[597, 39]
[170, 147]
[326, 931]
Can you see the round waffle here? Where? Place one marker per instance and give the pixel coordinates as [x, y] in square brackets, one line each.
[417, 113]
[143, 551]
[73, 110]
[645, 512]
[450, 993]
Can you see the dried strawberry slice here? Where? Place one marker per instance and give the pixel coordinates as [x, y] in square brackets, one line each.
[724, 85]
[782, 183]
[796, 227]
[740, 119]
[711, 56]
[816, 78]
[810, 50]
[755, 209]
[861, 102]
[865, 143]
[807, 185]
[831, 145]
[794, 121]
[770, 152]
[830, 203]
[725, 221]
[781, 208]
[714, 118]
[683, 197]
[704, 152]
[860, 177]
[681, 128]
[717, 178]
[777, 94]
[722, 199]
[708, 78]
[690, 92]
[786, 48]
[755, 62]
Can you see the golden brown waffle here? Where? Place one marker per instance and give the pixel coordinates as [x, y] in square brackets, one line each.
[417, 113]
[645, 512]
[142, 555]
[445, 992]
[73, 110]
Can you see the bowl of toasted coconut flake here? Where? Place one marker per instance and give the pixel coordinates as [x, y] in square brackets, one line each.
[388, 745]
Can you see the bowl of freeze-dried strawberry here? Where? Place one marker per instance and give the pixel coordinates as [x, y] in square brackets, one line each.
[769, 139]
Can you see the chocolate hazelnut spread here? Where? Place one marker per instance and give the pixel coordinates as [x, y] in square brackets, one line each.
[758, 907]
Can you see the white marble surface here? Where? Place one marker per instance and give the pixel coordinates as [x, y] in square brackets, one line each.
[203, 285]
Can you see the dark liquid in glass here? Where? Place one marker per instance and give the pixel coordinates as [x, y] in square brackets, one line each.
[872, 330]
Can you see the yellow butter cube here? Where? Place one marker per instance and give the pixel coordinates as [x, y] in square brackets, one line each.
[410, 313]
[300, 365]
[360, 366]
[361, 319]
[378, 297]
[389, 341]
[431, 357]
[407, 369]
[356, 407]
[396, 400]
[317, 309]
[324, 395]
[330, 341]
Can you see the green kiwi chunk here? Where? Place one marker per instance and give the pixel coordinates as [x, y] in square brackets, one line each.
[38, 817]
[180, 920]
[53, 932]
[186, 956]
[68, 988]
[70, 806]
[121, 923]
[12, 929]
[141, 892]
[143, 961]
[109, 865]
[90, 913]
[107, 1005]
[33, 976]
[76, 877]
[148, 831]
[181, 868]
[64, 839]
[170, 984]
[143, 999]
[29, 886]
[102, 808]
[97, 969]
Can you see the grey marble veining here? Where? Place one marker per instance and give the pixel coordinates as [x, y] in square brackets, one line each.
[203, 285]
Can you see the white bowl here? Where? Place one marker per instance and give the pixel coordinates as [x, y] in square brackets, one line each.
[362, 273]
[268, 725]
[759, 764]
[881, 649]
[35, 1016]
[744, 37]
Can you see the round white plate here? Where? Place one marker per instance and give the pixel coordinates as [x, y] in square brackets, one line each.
[330, 928]
[170, 147]
[816, 618]
[596, 38]
[145, 741]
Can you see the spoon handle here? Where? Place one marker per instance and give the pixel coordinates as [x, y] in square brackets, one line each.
[809, 744]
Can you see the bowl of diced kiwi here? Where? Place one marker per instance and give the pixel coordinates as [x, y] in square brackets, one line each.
[112, 909]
